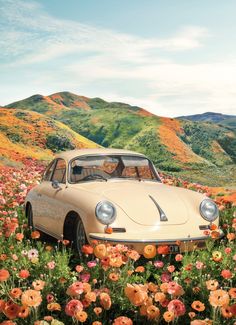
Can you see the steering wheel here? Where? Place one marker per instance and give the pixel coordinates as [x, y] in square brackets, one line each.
[93, 176]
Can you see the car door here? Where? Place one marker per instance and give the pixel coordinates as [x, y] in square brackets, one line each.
[52, 192]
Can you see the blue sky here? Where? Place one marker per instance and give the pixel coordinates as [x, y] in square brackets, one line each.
[172, 57]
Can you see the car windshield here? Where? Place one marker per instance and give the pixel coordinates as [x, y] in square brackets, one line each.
[103, 168]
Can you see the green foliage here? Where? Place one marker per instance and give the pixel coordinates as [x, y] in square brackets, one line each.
[57, 143]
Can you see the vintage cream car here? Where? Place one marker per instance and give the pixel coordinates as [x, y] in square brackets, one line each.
[85, 191]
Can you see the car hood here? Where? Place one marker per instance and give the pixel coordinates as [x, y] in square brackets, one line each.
[144, 201]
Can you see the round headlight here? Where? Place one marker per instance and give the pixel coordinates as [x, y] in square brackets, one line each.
[209, 210]
[105, 212]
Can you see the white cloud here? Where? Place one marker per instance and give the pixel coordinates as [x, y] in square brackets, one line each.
[73, 56]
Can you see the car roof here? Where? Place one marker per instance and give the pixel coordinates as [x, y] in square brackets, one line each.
[68, 155]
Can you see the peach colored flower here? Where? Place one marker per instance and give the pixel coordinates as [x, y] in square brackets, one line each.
[137, 294]
[198, 305]
[192, 314]
[152, 287]
[81, 316]
[153, 312]
[231, 236]
[31, 298]
[54, 306]
[219, 298]
[177, 307]
[114, 276]
[232, 293]
[96, 323]
[122, 320]
[38, 285]
[212, 284]
[79, 268]
[105, 300]
[15, 293]
[133, 254]
[100, 251]
[90, 296]
[179, 257]
[97, 310]
[24, 312]
[168, 316]
[19, 236]
[4, 275]
[149, 251]
[171, 268]
[160, 297]
[164, 287]
[75, 289]
[140, 269]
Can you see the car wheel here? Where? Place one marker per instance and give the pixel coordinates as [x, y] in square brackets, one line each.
[79, 237]
[29, 216]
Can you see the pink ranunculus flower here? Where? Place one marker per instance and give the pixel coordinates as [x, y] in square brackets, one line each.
[227, 274]
[178, 257]
[51, 265]
[165, 277]
[199, 265]
[177, 307]
[85, 277]
[91, 264]
[158, 264]
[75, 289]
[73, 306]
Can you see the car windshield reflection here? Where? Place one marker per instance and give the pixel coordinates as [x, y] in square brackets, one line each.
[103, 168]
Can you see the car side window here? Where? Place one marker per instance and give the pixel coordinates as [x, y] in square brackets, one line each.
[59, 173]
[48, 172]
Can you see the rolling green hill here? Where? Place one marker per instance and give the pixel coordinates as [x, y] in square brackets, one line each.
[25, 134]
[180, 147]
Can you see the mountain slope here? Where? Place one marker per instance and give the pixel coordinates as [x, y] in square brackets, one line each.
[29, 134]
[174, 145]
[223, 119]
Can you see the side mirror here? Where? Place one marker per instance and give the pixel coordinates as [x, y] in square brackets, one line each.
[55, 185]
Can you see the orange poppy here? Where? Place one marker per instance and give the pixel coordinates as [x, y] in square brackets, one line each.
[168, 316]
[23, 312]
[31, 298]
[87, 249]
[140, 269]
[15, 293]
[153, 312]
[54, 306]
[137, 294]
[105, 300]
[35, 234]
[100, 251]
[231, 236]
[149, 251]
[226, 312]
[97, 310]
[19, 236]
[81, 316]
[3, 257]
[152, 287]
[219, 298]
[11, 310]
[122, 320]
[114, 276]
[4, 275]
[232, 293]
[164, 250]
[198, 305]
[159, 297]
[90, 296]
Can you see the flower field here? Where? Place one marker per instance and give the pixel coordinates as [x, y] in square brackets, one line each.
[45, 283]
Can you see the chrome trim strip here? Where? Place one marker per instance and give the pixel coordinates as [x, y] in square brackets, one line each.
[150, 240]
[163, 217]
